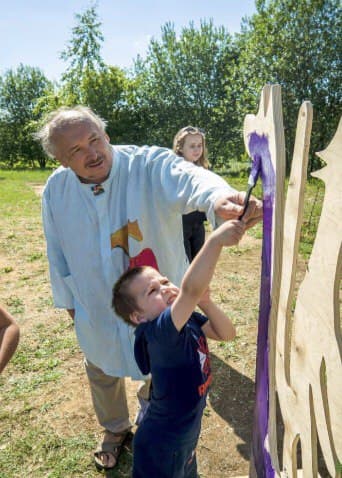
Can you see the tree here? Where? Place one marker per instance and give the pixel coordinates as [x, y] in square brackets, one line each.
[89, 81]
[297, 44]
[187, 80]
[20, 91]
[83, 54]
[105, 92]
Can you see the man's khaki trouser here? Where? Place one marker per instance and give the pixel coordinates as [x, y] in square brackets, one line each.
[109, 398]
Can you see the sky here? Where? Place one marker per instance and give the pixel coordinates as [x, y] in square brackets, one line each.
[34, 32]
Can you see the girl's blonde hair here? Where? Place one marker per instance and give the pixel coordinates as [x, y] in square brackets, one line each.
[179, 139]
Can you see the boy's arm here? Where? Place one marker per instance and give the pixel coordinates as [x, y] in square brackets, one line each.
[201, 270]
[9, 337]
[219, 325]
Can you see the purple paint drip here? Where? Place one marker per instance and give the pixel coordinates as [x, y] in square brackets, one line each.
[260, 153]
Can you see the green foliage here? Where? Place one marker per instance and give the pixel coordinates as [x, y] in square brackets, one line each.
[105, 92]
[297, 44]
[83, 54]
[20, 91]
[89, 81]
[187, 80]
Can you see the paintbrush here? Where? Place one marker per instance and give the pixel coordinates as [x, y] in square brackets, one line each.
[252, 180]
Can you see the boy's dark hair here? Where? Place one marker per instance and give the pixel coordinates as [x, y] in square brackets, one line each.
[122, 300]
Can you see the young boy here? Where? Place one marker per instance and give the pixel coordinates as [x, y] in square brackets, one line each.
[171, 345]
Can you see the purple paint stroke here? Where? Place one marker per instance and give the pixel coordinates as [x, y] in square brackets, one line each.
[260, 153]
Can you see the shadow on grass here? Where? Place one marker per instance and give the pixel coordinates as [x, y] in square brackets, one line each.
[232, 397]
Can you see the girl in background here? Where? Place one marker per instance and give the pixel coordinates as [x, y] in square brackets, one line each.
[189, 143]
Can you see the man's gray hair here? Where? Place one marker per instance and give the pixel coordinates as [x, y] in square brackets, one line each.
[62, 117]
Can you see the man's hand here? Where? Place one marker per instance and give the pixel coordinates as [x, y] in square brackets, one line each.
[231, 207]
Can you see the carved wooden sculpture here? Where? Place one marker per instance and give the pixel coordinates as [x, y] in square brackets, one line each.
[264, 140]
[298, 354]
[308, 355]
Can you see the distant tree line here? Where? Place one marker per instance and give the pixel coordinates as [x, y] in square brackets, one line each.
[203, 76]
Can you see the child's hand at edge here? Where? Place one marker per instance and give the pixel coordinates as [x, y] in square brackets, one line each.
[229, 233]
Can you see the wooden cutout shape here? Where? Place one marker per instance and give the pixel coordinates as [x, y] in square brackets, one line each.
[264, 141]
[308, 358]
[299, 355]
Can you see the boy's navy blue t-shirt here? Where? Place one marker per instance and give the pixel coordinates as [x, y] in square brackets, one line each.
[180, 367]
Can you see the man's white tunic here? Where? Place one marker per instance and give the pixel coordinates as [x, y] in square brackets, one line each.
[149, 185]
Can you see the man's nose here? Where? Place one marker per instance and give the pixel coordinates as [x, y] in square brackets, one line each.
[91, 152]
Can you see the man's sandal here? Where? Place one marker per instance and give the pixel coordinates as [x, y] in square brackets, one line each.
[113, 446]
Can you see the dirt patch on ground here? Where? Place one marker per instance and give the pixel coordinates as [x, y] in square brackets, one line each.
[37, 188]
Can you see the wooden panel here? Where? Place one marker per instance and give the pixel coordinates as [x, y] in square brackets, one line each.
[299, 346]
[308, 342]
[264, 140]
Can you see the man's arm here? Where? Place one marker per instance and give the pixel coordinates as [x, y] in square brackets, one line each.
[186, 187]
[201, 270]
[58, 266]
[9, 337]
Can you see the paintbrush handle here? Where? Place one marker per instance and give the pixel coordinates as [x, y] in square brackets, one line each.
[246, 201]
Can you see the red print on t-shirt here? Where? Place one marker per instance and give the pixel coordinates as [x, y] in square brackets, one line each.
[203, 352]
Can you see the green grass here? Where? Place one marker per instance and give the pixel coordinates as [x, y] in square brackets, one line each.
[43, 453]
[20, 199]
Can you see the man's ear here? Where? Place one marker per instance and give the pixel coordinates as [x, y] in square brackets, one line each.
[136, 318]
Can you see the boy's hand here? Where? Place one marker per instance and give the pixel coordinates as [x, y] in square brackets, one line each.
[230, 232]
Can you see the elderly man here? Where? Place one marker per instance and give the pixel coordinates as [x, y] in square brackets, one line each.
[105, 209]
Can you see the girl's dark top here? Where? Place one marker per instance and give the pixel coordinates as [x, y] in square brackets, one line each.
[193, 232]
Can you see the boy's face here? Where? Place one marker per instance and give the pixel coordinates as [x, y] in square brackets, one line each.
[153, 294]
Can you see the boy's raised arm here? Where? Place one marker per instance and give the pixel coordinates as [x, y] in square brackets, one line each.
[201, 270]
